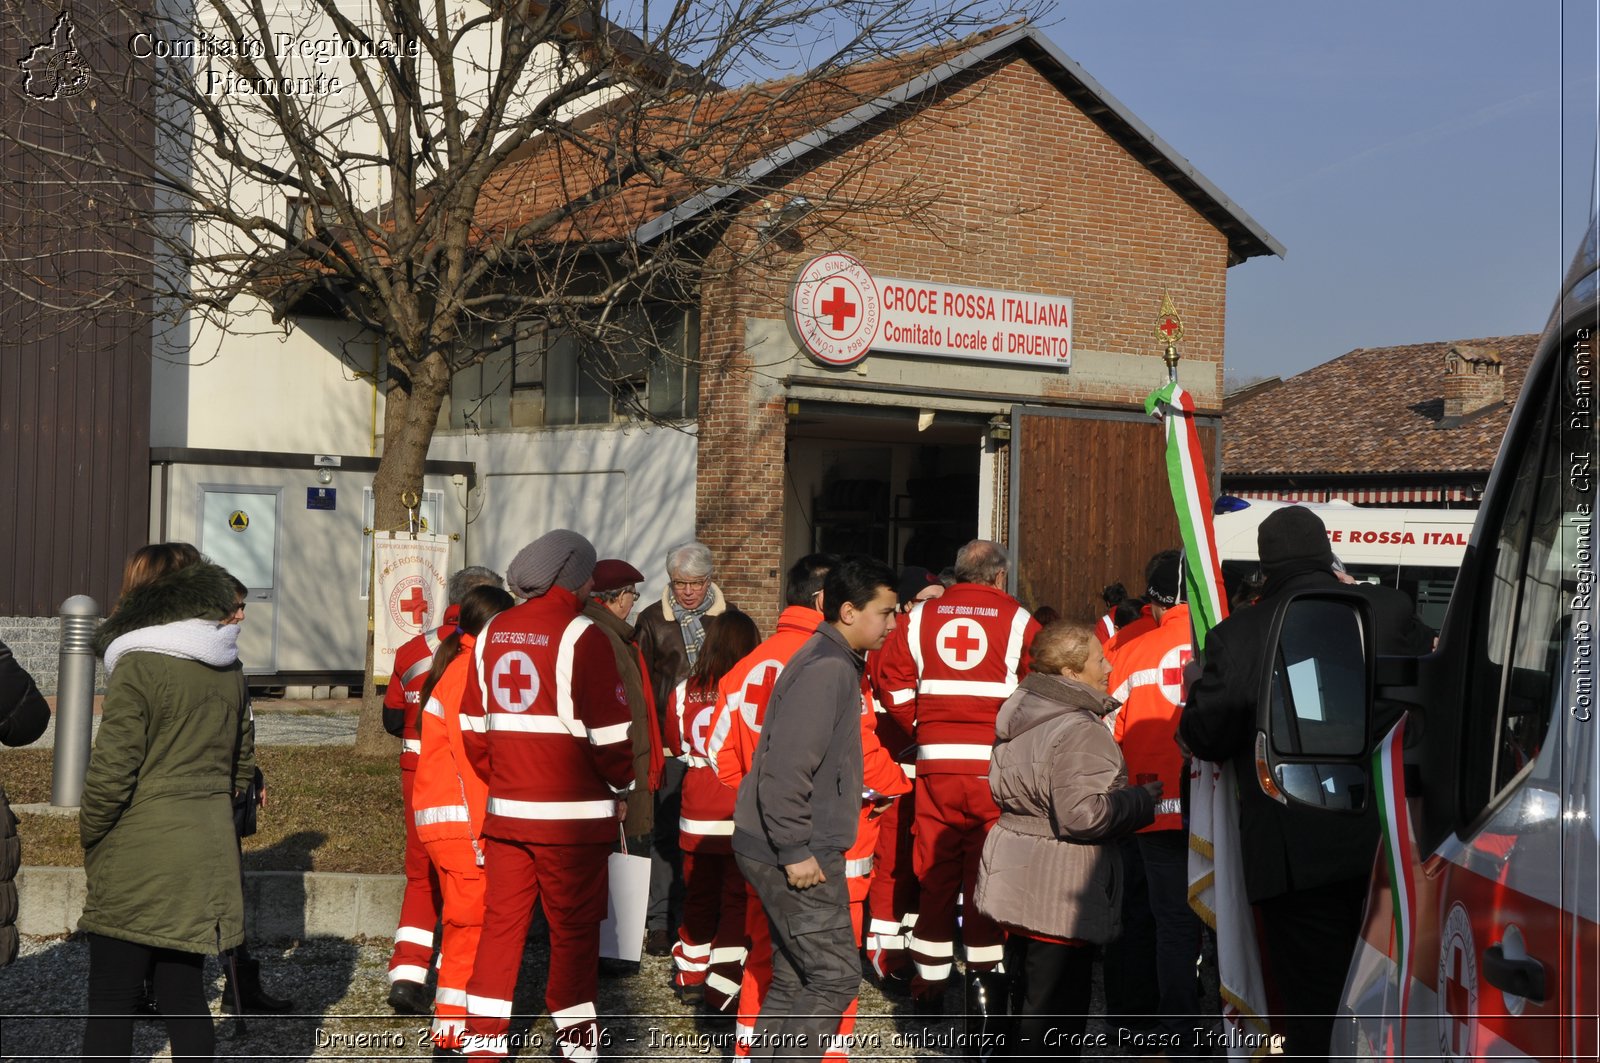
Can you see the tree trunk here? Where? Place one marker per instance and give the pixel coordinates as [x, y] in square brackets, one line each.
[408, 423]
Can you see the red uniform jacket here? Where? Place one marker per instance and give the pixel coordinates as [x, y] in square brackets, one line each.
[946, 671]
[1148, 680]
[742, 695]
[705, 822]
[401, 699]
[1127, 634]
[547, 724]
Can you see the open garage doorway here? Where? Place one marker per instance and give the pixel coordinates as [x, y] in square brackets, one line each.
[900, 485]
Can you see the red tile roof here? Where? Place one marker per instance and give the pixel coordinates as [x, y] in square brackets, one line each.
[1374, 410]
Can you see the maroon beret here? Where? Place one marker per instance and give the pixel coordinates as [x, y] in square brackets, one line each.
[611, 574]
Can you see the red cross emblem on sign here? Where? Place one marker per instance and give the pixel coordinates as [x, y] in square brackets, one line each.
[757, 691]
[961, 643]
[838, 308]
[516, 683]
[1168, 327]
[1458, 985]
[414, 605]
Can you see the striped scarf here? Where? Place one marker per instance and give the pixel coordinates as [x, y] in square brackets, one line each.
[689, 622]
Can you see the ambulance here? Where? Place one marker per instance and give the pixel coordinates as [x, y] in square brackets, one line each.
[1417, 550]
[1482, 932]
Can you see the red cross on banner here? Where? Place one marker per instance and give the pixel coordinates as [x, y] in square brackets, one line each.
[414, 605]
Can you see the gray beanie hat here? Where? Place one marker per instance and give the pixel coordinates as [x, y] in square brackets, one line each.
[561, 558]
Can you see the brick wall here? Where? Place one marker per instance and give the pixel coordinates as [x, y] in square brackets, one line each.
[999, 182]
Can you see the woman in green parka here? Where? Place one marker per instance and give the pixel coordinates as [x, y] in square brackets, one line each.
[156, 818]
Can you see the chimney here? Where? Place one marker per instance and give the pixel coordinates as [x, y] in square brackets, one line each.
[1474, 378]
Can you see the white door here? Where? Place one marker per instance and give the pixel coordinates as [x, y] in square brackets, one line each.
[239, 531]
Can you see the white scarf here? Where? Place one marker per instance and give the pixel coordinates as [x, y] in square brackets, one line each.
[195, 640]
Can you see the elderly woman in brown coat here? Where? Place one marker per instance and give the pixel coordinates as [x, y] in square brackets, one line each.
[1046, 874]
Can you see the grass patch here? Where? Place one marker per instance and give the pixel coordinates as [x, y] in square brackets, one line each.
[327, 810]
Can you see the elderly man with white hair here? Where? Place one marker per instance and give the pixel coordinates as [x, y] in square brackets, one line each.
[669, 634]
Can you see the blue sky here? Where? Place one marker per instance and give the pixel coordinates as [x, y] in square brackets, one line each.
[1412, 155]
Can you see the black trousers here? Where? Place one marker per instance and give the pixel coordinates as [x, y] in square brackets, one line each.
[1178, 933]
[1050, 986]
[816, 968]
[1128, 964]
[1309, 936]
[666, 861]
[117, 971]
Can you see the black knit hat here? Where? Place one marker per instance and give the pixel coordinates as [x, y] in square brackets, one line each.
[1293, 533]
[914, 579]
[1166, 578]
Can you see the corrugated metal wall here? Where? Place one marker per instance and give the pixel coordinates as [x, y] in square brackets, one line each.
[74, 381]
[1091, 504]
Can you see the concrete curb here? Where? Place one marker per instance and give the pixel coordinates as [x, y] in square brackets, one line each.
[279, 905]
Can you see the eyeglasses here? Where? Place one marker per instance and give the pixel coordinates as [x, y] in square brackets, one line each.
[690, 584]
[628, 592]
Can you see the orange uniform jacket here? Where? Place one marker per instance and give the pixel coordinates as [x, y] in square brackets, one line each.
[449, 797]
[1148, 680]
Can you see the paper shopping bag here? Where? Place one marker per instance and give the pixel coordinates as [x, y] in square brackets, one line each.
[622, 933]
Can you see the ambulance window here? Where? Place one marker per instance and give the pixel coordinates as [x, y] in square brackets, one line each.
[1520, 634]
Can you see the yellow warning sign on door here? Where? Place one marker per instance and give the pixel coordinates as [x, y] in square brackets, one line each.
[238, 520]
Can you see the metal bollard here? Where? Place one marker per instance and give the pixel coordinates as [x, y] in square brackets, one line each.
[74, 700]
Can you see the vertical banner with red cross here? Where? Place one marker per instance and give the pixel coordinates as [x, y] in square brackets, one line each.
[410, 591]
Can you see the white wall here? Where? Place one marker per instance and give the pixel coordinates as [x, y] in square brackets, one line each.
[629, 488]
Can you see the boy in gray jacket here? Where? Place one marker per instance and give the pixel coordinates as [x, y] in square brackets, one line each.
[797, 813]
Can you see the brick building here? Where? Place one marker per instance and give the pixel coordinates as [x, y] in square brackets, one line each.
[1415, 426]
[1007, 171]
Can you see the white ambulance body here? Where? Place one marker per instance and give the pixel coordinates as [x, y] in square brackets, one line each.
[1502, 752]
[1416, 550]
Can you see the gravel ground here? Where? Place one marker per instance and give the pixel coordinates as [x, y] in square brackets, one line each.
[340, 987]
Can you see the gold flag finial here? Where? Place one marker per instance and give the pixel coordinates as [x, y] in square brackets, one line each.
[1169, 332]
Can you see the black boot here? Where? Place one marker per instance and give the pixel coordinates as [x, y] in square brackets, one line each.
[987, 1012]
[250, 995]
[928, 1005]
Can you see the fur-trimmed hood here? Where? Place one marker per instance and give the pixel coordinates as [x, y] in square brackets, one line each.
[203, 591]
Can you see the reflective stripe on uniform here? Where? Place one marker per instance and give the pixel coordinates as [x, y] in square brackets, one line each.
[564, 656]
[709, 828]
[967, 688]
[914, 636]
[605, 736]
[900, 697]
[530, 724]
[954, 752]
[859, 868]
[1019, 627]
[421, 668]
[433, 708]
[427, 817]
[500, 806]
[411, 745]
[574, 1015]
[488, 1007]
[985, 953]
[416, 935]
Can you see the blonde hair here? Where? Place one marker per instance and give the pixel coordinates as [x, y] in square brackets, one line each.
[1063, 646]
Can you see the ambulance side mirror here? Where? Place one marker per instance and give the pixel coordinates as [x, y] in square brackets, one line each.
[1315, 703]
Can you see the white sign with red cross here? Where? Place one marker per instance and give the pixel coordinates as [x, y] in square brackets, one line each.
[514, 682]
[1458, 986]
[410, 595]
[961, 643]
[838, 311]
[756, 691]
[833, 309]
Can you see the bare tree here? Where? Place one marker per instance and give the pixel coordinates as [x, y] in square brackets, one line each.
[464, 177]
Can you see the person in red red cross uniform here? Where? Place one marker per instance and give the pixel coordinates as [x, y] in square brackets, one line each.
[892, 898]
[422, 902]
[546, 722]
[1148, 679]
[944, 674]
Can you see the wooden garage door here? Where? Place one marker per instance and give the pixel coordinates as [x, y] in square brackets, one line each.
[1090, 503]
